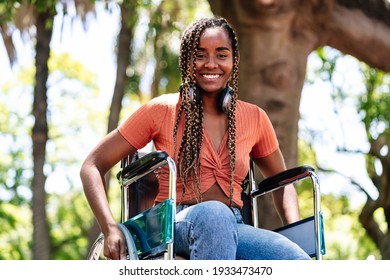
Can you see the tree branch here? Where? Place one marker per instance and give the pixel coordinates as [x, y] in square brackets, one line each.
[366, 218]
[376, 9]
[352, 181]
[353, 32]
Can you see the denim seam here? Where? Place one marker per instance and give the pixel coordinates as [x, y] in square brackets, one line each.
[193, 241]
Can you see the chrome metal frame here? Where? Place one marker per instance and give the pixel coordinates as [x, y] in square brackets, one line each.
[320, 246]
[125, 189]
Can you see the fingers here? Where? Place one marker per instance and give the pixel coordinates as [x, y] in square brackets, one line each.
[122, 251]
[115, 246]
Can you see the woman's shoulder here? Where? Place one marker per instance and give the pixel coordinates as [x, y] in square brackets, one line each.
[167, 99]
[158, 107]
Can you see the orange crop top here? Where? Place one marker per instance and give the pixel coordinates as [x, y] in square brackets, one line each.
[155, 121]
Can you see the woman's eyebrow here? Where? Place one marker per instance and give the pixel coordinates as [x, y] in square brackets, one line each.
[218, 49]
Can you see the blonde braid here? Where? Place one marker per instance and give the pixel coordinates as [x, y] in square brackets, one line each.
[232, 118]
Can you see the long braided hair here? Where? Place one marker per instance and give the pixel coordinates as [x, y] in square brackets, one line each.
[191, 144]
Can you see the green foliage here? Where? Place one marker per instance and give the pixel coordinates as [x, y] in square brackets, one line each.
[345, 237]
[6, 10]
[16, 232]
[375, 104]
[65, 67]
[15, 165]
[170, 81]
[167, 21]
[328, 59]
[43, 6]
[70, 218]
[306, 154]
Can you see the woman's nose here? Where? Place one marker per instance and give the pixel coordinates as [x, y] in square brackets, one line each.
[211, 63]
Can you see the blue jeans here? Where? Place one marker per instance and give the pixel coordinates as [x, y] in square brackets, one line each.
[212, 231]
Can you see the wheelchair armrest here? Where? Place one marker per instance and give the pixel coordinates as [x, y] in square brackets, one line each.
[282, 179]
[143, 165]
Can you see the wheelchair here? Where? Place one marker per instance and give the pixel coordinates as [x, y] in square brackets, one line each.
[149, 228]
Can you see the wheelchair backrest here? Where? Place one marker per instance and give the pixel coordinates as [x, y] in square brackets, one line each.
[142, 192]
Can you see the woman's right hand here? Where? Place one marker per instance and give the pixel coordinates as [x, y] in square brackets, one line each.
[114, 244]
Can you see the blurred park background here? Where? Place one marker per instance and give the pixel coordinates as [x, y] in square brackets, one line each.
[72, 70]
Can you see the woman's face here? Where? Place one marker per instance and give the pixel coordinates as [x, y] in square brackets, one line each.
[214, 60]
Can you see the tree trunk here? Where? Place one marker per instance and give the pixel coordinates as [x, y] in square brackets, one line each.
[8, 43]
[123, 60]
[41, 234]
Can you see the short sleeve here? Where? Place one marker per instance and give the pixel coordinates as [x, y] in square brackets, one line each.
[267, 141]
[144, 124]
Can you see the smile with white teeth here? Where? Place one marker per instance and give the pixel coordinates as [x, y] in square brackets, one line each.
[209, 76]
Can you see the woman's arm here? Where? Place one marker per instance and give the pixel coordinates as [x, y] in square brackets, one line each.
[101, 159]
[285, 199]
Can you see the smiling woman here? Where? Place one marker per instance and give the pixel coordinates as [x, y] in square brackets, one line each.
[214, 61]
[211, 148]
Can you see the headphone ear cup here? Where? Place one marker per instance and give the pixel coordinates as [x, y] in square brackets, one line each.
[194, 95]
[225, 100]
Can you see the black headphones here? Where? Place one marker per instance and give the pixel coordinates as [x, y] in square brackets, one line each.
[224, 99]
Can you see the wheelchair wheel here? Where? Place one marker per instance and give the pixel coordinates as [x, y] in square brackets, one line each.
[96, 251]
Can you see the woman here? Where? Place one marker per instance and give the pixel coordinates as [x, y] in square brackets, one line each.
[211, 135]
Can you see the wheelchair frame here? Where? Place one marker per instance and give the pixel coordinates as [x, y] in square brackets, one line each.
[313, 225]
[132, 171]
